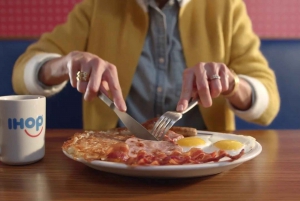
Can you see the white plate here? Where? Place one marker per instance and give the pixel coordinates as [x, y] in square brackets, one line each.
[172, 171]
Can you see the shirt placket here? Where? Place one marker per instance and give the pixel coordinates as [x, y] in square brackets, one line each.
[160, 57]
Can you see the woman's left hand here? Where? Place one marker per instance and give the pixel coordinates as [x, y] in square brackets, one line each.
[206, 81]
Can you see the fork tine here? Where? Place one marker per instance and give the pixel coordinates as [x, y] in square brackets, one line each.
[168, 119]
[161, 125]
[159, 121]
[162, 129]
[166, 129]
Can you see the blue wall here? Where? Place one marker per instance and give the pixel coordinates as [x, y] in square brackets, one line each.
[284, 59]
[60, 112]
[283, 56]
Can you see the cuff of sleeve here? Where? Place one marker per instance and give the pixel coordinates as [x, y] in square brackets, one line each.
[33, 85]
[260, 100]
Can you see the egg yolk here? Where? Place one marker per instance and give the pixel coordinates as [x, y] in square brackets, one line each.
[190, 141]
[228, 145]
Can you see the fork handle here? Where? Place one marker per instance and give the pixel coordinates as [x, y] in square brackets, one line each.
[192, 104]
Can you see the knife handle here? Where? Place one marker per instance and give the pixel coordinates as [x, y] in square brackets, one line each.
[106, 100]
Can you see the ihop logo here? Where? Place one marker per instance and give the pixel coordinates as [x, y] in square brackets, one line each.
[30, 123]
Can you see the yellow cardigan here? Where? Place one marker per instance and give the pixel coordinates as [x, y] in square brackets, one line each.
[210, 30]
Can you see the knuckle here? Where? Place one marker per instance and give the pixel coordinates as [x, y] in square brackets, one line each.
[201, 64]
[92, 88]
[185, 91]
[111, 67]
[85, 59]
[94, 62]
[101, 61]
[203, 87]
[222, 67]
[187, 73]
[202, 84]
[73, 53]
[213, 65]
[209, 64]
[114, 87]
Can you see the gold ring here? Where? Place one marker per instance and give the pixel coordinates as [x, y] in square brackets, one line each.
[82, 76]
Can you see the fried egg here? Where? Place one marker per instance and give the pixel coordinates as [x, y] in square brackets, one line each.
[231, 144]
[194, 142]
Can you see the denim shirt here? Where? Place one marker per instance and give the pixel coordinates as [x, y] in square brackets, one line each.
[156, 85]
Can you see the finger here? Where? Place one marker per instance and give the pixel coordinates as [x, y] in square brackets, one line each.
[111, 76]
[186, 90]
[224, 77]
[214, 79]
[105, 90]
[85, 67]
[203, 86]
[195, 94]
[215, 88]
[97, 67]
[105, 86]
[73, 67]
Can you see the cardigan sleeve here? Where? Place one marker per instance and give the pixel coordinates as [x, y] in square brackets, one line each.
[247, 59]
[70, 36]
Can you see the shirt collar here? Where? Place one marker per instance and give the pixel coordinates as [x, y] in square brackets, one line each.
[145, 3]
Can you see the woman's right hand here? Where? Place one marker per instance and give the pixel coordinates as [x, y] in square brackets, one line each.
[102, 75]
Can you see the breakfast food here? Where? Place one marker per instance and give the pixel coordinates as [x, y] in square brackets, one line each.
[119, 145]
[185, 131]
[229, 143]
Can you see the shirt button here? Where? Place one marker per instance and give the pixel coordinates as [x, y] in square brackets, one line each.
[159, 89]
[171, 2]
[161, 60]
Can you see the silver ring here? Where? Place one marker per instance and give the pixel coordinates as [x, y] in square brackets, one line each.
[213, 77]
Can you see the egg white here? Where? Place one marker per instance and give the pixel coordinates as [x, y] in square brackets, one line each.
[247, 141]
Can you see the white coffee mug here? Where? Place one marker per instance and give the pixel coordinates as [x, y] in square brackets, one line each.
[22, 129]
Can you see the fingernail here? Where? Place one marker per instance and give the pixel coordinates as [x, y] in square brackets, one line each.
[180, 108]
[121, 106]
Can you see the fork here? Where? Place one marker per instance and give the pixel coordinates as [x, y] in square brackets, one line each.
[168, 119]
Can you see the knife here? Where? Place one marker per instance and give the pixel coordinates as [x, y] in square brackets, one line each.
[134, 127]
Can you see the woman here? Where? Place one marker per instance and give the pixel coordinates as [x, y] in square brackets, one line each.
[156, 54]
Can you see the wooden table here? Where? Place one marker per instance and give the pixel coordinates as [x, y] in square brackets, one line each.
[273, 175]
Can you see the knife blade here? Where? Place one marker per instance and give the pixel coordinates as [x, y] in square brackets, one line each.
[134, 127]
